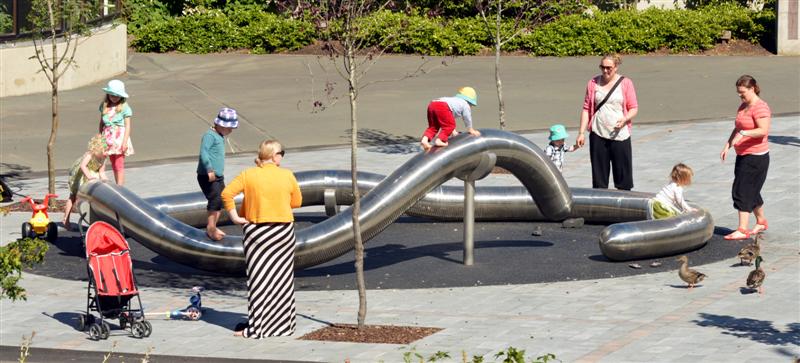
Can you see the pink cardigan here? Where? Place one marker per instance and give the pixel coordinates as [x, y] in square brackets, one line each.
[628, 98]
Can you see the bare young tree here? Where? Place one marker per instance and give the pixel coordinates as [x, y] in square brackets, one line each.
[56, 27]
[340, 22]
[524, 15]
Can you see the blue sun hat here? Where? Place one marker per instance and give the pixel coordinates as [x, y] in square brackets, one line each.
[558, 132]
[115, 87]
[227, 117]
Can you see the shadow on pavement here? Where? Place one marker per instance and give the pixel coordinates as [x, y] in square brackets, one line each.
[784, 140]
[223, 319]
[761, 331]
[386, 143]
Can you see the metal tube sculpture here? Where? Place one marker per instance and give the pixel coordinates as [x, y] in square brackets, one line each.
[165, 224]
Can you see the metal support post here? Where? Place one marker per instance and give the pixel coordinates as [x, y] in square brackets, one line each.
[480, 171]
[469, 222]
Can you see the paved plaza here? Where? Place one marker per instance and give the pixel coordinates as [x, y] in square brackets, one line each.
[643, 318]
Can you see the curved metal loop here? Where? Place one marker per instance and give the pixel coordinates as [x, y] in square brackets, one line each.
[414, 188]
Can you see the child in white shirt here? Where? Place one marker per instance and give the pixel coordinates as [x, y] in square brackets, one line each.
[556, 148]
[669, 201]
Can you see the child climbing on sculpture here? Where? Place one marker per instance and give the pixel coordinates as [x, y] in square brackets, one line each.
[442, 114]
[211, 167]
[556, 149]
[90, 166]
[669, 201]
[115, 126]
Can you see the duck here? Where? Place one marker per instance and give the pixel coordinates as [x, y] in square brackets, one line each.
[756, 277]
[749, 253]
[690, 276]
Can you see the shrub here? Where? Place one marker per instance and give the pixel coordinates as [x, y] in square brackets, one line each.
[14, 257]
[213, 30]
[139, 13]
[6, 22]
[632, 31]
[243, 26]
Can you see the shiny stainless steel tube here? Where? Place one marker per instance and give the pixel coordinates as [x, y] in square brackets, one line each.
[381, 206]
[630, 235]
[414, 189]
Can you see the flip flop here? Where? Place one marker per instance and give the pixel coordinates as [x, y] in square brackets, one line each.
[745, 235]
[756, 230]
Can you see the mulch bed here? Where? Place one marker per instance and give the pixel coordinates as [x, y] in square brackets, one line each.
[499, 170]
[55, 205]
[380, 334]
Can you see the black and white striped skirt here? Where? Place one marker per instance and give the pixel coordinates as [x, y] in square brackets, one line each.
[269, 254]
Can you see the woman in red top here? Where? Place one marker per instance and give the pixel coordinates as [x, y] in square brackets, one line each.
[749, 139]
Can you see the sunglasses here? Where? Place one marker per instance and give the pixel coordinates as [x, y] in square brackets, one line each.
[606, 67]
[281, 153]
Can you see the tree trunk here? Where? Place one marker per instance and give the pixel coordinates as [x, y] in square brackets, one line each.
[500, 102]
[497, 44]
[51, 143]
[359, 244]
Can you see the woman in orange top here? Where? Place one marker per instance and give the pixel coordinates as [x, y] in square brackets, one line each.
[270, 193]
[749, 139]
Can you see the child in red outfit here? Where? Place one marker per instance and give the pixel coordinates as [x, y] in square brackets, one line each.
[442, 114]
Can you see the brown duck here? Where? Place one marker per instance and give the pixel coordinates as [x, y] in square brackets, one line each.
[749, 253]
[756, 277]
[691, 277]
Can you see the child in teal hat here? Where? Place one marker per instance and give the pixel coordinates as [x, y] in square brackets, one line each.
[556, 149]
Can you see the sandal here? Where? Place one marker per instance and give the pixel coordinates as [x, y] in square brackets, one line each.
[760, 226]
[745, 234]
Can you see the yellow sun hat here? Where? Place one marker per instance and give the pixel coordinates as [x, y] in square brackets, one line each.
[468, 94]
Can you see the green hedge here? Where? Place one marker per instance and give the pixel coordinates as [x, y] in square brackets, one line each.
[623, 31]
[631, 31]
[208, 31]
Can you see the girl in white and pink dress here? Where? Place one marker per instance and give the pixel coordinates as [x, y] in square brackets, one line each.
[115, 126]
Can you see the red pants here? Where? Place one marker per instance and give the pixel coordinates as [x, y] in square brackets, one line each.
[441, 119]
[117, 162]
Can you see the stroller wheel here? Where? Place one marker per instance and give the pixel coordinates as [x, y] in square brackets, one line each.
[138, 329]
[95, 332]
[82, 322]
[148, 328]
[106, 330]
[123, 322]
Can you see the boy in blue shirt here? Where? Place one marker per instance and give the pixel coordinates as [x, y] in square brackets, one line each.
[211, 167]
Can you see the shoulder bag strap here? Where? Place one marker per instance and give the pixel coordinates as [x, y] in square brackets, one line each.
[603, 102]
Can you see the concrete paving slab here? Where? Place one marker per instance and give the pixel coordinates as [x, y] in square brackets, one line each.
[175, 97]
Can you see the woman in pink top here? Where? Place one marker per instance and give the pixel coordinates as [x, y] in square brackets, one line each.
[749, 139]
[609, 107]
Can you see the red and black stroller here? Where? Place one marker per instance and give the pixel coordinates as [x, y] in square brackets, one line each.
[112, 285]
